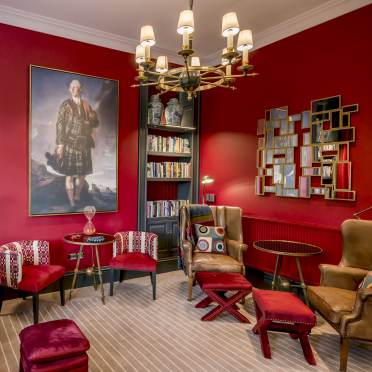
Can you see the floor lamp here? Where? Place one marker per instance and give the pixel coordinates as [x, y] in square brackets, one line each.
[205, 181]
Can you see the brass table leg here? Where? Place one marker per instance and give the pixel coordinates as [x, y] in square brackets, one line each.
[76, 270]
[100, 275]
[303, 285]
[93, 268]
[278, 265]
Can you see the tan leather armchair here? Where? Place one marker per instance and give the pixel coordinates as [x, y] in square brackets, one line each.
[231, 219]
[338, 299]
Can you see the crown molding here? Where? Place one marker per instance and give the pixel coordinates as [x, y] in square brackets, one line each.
[56, 27]
[320, 14]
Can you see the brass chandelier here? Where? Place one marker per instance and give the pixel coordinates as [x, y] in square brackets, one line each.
[192, 78]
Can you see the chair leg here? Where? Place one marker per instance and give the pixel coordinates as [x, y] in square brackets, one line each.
[62, 291]
[35, 307]
[153, 282]
[191, 283]
[122, 275]
[344, 353]
[2, 292]
[112, 279]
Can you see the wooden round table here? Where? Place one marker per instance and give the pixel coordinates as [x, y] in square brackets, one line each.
[288, 248]
[83, 240]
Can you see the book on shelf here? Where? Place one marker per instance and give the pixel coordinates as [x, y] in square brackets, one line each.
[164, 208]
[168, 144]
[168, 169]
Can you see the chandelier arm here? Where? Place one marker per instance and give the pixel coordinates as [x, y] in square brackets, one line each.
[170, 89]
[218, 85]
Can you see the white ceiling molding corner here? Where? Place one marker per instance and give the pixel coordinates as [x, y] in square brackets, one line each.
[294, 25]
[56, 27]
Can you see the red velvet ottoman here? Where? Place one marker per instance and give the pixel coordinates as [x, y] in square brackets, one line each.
[55, 346]
[283, 312]
[215, 284]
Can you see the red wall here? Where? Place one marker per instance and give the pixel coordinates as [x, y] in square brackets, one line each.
[19, 49]
[330, 59]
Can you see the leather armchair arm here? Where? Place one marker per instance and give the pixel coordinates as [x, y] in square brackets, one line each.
[360, 313]
[341, 276]
[236, 249]
[186, 248]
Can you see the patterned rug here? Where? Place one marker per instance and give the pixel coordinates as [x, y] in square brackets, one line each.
[134, 333]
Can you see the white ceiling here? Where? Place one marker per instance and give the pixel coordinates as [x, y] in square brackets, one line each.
[120, 20]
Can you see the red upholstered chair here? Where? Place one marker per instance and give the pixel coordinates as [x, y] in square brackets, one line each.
[134, 251]
[24, 266]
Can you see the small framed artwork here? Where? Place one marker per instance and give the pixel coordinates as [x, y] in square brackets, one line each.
[73, 133]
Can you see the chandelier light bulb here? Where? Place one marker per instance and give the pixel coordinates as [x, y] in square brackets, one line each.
[230, 24]
[245, 40]
[162, 64]
[186, 22]
[147, 36]
[140, 54]
[195, 62]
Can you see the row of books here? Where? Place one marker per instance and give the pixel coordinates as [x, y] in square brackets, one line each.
[168, 169]
[164, 208]
[168, 144]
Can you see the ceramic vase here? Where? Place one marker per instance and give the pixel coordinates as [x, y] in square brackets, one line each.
[155, 110]
[173, 112]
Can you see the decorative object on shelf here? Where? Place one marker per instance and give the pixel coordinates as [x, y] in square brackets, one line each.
[206, 180]
[192, 77]
[173, 112]
[73, 164]
[89, 229]
[155, 110]
[324, 134]
[356, 215]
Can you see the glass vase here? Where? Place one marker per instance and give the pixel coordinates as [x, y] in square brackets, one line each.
[89, 212]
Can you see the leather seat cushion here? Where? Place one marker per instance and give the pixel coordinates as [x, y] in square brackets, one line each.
[333, 303]
[283, 307]
[215, 262]
[51, 341]
[37, 277]
[222, 281]
[133, 261]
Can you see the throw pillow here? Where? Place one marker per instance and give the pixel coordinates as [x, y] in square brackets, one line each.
[367, 281]
[211, 239]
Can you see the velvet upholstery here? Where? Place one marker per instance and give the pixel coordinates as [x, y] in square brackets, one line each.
[58, 345]
[134, 251]
[222, 281]
[231, 219]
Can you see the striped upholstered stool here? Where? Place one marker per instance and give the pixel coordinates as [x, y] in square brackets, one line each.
[283, 312]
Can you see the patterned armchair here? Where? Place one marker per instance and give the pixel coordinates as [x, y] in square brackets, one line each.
[24, 266]
[134, 251]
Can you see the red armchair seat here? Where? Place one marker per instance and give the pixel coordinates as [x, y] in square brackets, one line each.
[133, 261]
[58, 345]
[37, 277]
[283, 312]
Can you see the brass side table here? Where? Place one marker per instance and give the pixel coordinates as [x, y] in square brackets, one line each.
[288, 248]
[82, 240]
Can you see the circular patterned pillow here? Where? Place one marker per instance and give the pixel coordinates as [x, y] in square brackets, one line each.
[211, 239]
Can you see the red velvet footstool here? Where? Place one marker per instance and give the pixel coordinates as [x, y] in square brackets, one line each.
[55, 346]
[283, 312]
[215, 285]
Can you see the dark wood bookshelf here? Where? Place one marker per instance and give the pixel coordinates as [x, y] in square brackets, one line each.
[169, 179]
[172, 128]
[173, 154]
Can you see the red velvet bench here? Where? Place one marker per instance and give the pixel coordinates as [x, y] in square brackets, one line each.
[283, 312]
[215, 284]
[55, 346]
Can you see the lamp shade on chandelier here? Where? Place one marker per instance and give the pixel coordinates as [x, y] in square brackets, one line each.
[192, 77]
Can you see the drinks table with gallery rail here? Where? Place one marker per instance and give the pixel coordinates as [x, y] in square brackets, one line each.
[94, 241]
[288, 248]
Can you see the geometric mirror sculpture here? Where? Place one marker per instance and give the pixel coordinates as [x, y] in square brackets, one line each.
[306, 154]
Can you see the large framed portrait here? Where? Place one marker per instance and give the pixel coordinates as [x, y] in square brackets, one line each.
[73, 142]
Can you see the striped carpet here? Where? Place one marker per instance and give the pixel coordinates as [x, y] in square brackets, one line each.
[134, 333]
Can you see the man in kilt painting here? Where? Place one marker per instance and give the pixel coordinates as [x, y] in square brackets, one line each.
[75, 124]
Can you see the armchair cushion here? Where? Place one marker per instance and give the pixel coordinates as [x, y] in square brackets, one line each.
[215, 262]
[37, 277]
[367, 281]
[333, 303]
[133, 261]
[211, 239]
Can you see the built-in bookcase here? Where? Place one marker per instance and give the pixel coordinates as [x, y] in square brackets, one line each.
[168, 171]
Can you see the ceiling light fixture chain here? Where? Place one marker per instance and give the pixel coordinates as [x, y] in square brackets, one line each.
[193, 78]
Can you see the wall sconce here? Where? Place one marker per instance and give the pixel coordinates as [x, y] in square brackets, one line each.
[205, 181]
[356, 215]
